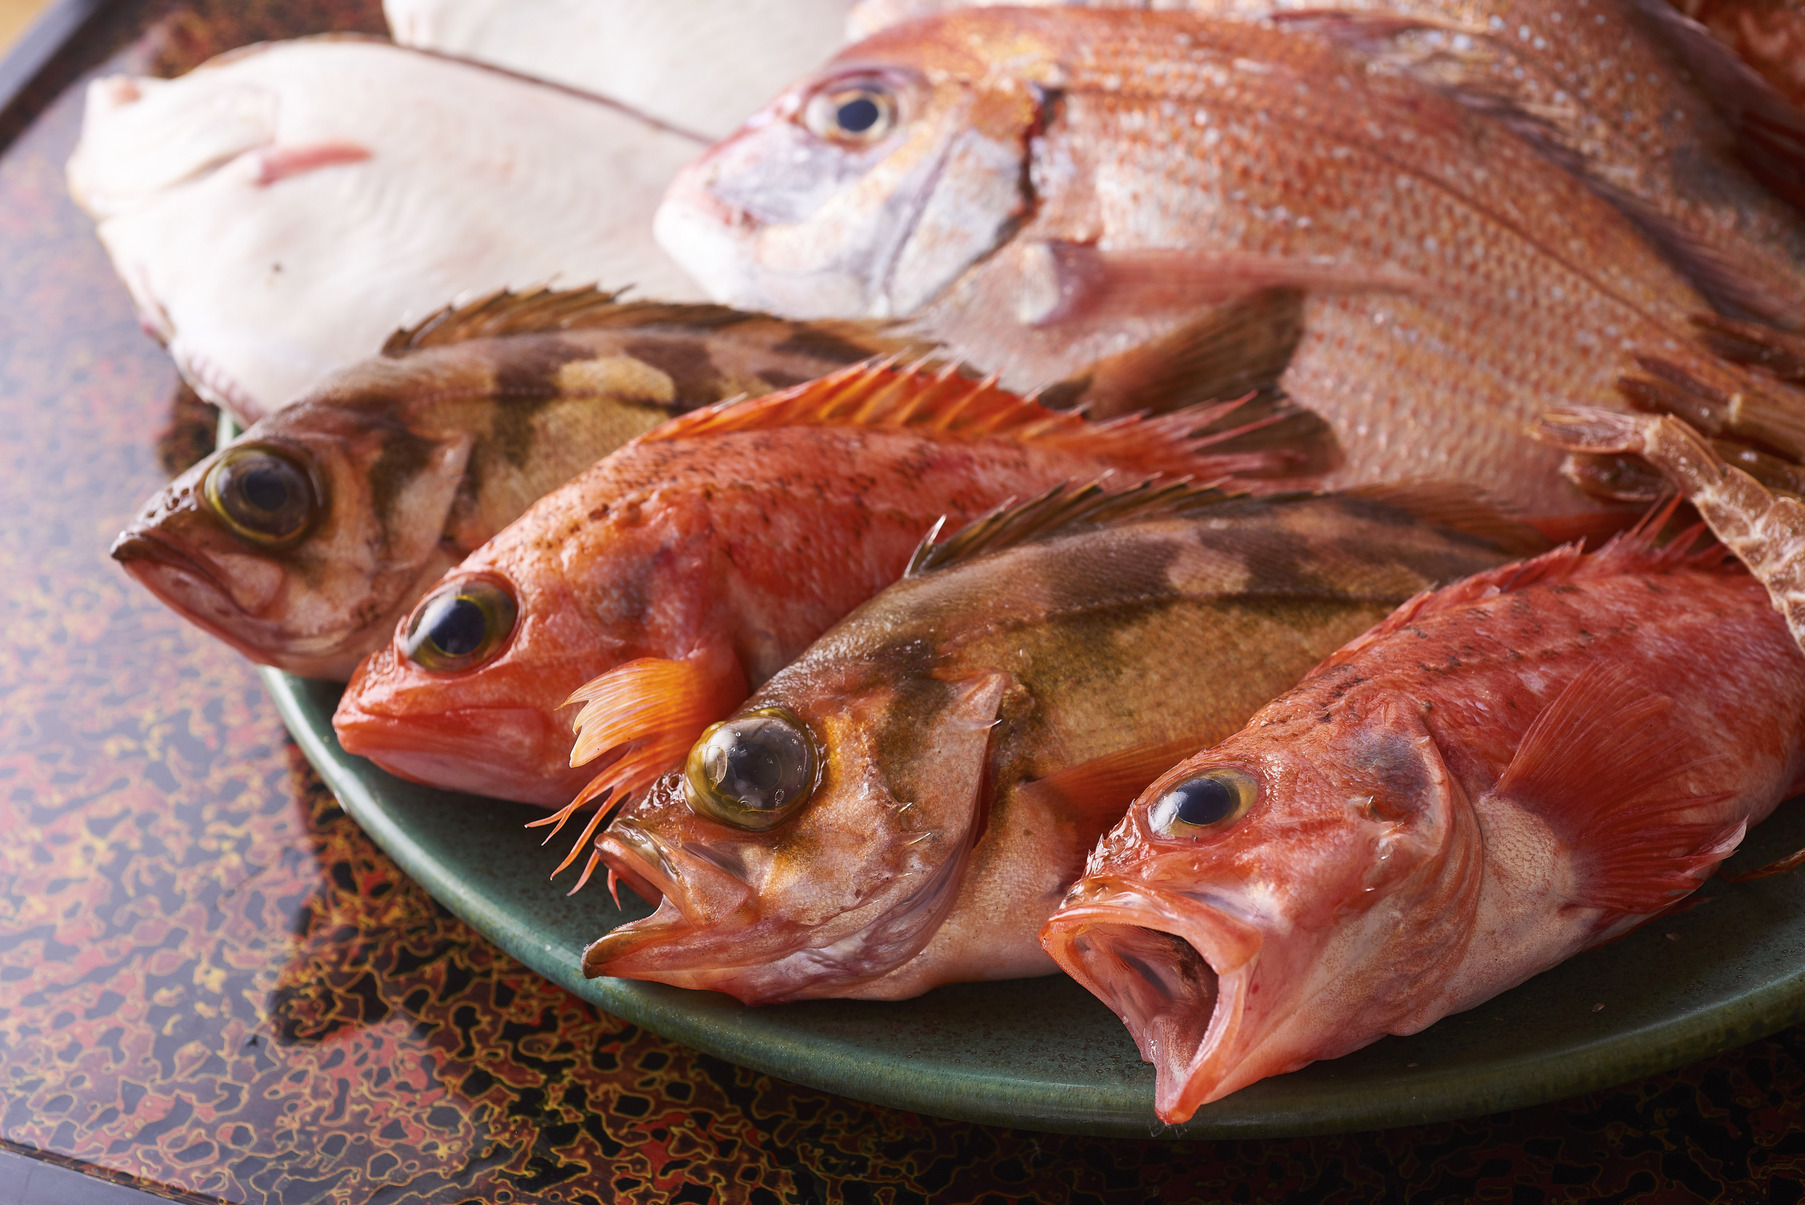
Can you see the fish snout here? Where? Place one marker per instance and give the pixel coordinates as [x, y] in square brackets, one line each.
[505, 752]
[695, 893]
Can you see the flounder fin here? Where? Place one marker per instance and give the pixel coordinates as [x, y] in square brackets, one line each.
[939, 401]
[651, 710]
[541, 311]
[1605, 767]
[1769, 128]
[1098, 791]
[1064, 508]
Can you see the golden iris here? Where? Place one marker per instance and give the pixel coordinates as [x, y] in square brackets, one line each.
[752, 771]
[854, 111]
[461, 625]
[262, 493]
[1204, 802]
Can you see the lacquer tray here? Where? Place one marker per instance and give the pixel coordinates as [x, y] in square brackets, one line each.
[1043, 1054]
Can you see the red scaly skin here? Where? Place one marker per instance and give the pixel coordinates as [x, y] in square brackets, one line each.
[1499, 776]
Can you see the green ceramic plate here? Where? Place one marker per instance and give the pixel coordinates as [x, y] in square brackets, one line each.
[1042, 1054]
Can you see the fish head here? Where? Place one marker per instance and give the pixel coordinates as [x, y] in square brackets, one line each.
[458, 696]
[1259, 896]
[814, 841]
[302, 542]
[868, 189]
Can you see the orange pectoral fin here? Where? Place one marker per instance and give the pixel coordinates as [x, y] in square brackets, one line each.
[652, 710]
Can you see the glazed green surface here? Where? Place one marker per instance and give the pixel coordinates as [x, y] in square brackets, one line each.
[1042, 1054]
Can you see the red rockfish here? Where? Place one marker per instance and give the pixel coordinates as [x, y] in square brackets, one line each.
[699, 559]
[1500, 775]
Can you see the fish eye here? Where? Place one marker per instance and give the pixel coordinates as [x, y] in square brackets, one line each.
[461, 625]
[859, 112]
[1209, 800]
[262, 494]
[752, 771]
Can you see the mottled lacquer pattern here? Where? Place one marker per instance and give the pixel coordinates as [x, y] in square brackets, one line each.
[214, 986]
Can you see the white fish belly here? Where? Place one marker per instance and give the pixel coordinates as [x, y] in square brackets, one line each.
[277, 213]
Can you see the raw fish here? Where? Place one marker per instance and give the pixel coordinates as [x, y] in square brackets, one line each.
[305, 542]
[698, 65]
[1038, 187]
[1502, 774]
[278, 211]
[904, 804]
[700, 559]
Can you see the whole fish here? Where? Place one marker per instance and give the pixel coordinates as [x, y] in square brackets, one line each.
[698, 560]
[1624, 93]
[1042, 186]
[698, 65]
[305, 542]
[905, 804]
[278, 211]
[1502, 774]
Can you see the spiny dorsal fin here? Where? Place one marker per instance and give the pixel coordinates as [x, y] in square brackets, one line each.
[541, 311]
[938, 401]
[1062, 509]
[1637, 550]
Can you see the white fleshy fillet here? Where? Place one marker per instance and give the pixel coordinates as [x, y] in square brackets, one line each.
[701, 65]
[278, 212]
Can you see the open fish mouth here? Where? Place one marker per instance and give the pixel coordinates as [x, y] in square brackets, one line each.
[1176, 973]
[683, 938]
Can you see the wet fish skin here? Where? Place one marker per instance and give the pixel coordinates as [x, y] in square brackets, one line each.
[1601, 91]
[698, 560]
[1501, 775]
[420, 455]
[982, 722]
[1453, 280]
[278, 211]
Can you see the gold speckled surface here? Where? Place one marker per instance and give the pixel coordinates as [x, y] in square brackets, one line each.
[214, 986]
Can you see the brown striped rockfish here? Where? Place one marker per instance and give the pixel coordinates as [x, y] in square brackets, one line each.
[905, 804]
[305, 541]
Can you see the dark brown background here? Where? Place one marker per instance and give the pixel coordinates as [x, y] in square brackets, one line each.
[214, 986]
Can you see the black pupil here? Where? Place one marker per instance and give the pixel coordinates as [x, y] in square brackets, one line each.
[456, 626]
[265, 487]
[857, 116]
[1202, 801]
[753, 771]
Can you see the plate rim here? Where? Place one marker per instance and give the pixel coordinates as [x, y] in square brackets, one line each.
[987, 1099]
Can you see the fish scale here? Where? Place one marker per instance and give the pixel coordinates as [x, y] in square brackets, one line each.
[1456, 280]
[1502, 774]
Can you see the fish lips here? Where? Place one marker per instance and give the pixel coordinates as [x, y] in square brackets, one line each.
[697, 897]
[1175, 968]
[198, 588]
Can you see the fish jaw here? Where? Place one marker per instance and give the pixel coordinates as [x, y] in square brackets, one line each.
[809, 927]
[505, 752]
[780, 217]
[1175, 971]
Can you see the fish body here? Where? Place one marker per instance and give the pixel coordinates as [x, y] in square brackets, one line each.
[1042, 186]
[979, 724]
[1769, 36]
[403, 465]
[695, 562]
[693, 64]
[1622, 94]
[1501, 775]
[277, 212]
